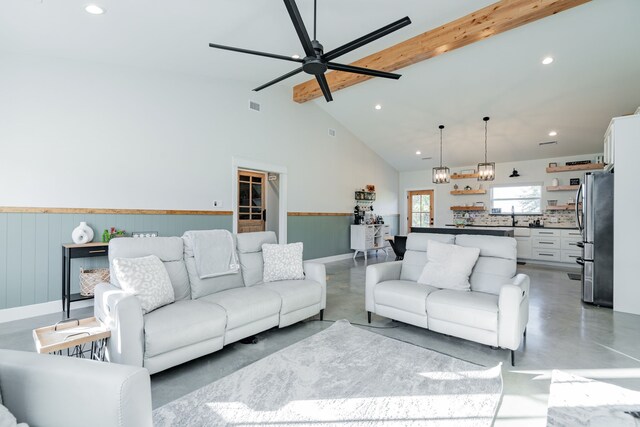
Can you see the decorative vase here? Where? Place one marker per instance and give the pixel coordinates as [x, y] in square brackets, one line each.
[82, 234]
[555, 182]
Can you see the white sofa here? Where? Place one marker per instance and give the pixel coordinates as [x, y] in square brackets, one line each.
[56, 391]
[208, 313]
[495, 312]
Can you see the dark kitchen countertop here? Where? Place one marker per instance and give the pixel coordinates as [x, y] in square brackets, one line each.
[488, 231]
[509, 226]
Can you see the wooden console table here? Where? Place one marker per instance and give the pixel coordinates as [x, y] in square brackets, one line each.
[69, 252]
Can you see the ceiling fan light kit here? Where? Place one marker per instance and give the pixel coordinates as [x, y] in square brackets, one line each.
[486, 170]
[316, 62]
[441, 174]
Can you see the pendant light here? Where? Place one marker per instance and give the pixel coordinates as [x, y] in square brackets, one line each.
[441, 174]
[486, 170]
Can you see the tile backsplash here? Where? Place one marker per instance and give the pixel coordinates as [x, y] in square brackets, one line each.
[550, 219]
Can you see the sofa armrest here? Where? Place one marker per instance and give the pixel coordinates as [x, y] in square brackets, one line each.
[46, 390]
[379, 273]
[317, 271]
[513, 312]
[121, 312]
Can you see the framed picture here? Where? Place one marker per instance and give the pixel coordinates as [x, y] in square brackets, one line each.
[553, 165]
[574, 181]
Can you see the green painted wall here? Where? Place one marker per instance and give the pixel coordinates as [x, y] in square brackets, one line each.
[325, 236]
[31, 254]
[31, 245]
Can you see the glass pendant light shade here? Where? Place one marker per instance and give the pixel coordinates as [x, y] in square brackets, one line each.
[441, 175]
[486, 170]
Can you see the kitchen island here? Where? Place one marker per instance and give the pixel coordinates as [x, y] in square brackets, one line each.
[485, 231]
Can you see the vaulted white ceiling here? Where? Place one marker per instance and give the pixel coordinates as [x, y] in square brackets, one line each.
[595, 74]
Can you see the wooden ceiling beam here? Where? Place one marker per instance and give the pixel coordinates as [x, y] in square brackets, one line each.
[494, 19]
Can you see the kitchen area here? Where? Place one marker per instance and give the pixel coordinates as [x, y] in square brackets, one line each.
[560, 210]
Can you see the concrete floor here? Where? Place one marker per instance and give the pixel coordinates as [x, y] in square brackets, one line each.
[562, 333]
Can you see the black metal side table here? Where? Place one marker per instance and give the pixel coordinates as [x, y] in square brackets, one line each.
[69, 252]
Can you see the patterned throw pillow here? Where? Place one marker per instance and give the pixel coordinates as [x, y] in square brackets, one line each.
[147, 279]
[282, 262]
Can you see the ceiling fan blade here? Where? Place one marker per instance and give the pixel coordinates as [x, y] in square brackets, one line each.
[375, 35]
[361, 70]
[298, 24]
[279, 79]
[254, 52]
[322, 81]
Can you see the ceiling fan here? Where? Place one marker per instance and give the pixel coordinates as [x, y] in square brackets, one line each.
[316, 62]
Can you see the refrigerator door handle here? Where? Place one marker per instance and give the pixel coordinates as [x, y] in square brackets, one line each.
[578, 222]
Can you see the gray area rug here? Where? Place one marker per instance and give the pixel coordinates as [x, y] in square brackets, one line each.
[578, 401]
[345, 376]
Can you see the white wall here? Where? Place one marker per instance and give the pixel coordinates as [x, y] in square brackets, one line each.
[79, 134]
[626, 282]
[531, 171]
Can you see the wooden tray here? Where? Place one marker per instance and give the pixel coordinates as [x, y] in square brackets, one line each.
[69, 334]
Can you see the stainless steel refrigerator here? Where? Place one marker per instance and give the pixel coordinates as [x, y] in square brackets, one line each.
[594, 215]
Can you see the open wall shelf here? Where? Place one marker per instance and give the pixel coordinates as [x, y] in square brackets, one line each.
[460, 192]
[464, 175]
[570, 207]
[468, 208]
[573, 168]
[563, 188]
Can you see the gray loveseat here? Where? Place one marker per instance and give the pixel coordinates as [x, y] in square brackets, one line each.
[208, 313]
[495, 312]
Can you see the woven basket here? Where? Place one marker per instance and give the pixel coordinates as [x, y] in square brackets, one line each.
[90, 278]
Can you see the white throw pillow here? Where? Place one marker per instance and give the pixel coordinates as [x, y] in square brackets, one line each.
[147, 279]
[448, 266]
[6, 418]
[282, 262]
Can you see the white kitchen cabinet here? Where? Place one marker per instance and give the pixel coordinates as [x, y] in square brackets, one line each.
[544, 254]
[524, 247]
[559, 245]
[570, 256]
[369, 237]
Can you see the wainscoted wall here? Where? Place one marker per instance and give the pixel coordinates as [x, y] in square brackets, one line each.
[31, 254]
[326, 235]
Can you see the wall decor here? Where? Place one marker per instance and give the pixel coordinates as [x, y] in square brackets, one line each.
[578, 162]
[496, 210]
[574, 181]
[553, 165]
[82, 234]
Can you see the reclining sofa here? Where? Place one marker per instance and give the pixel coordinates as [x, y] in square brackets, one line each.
[495, 312]
[207, 313]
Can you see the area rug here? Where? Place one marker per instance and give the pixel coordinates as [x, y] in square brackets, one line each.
[577, 401]
[345, 376]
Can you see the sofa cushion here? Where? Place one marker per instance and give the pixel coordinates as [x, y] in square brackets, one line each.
[404, 295]
[415, 256]
[296, 294]
[147, 279]
[168, 249]
[282, 262]
[250, 255]
[203, 287]
[181, 324]
[497, 263]
[448, 266]
[474, 309]
[246, 305]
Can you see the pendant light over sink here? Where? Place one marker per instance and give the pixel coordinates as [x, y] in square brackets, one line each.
[441, 174]
[486, 170]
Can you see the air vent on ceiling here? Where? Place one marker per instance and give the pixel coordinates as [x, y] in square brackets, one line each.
[547, 143]
[332, 132]
[253, 105]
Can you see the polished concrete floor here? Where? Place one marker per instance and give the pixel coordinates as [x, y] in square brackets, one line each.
[562, 333]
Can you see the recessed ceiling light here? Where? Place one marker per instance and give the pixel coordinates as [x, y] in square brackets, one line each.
[94, 9]
[418, 153]
[295, 56]
[378, 107]
[548, 60]
[553, 133]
